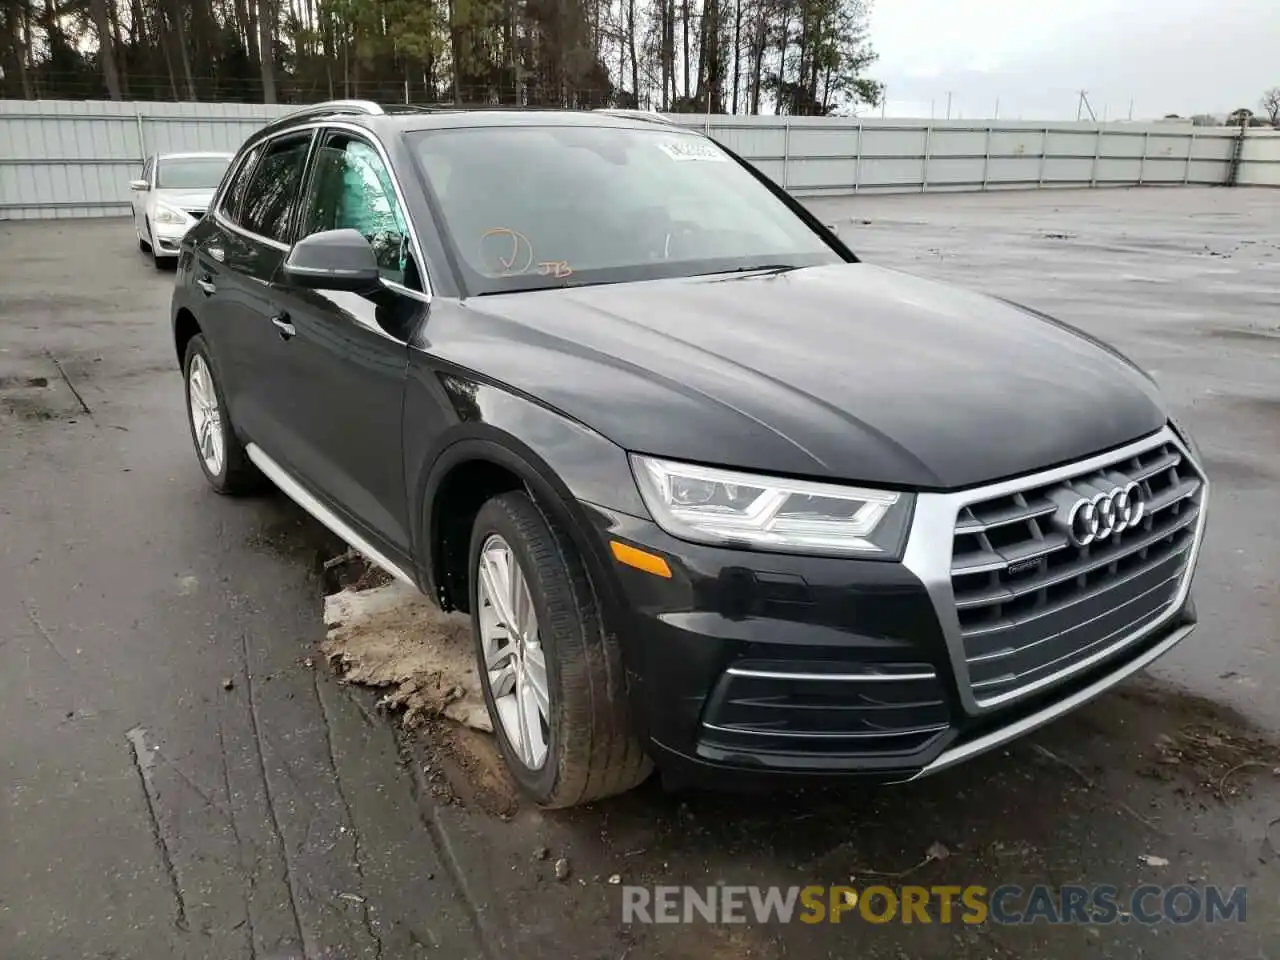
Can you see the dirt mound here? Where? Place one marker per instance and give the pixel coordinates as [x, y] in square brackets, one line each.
[392, 637]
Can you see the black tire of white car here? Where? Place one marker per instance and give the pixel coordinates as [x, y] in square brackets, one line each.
[591, 751]
[155, 252]
[237, 474]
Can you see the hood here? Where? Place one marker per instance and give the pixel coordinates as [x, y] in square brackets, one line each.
[186, 199]
[849, 372]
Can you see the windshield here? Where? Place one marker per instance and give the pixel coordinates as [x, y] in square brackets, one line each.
[532, 207]
[190, 173]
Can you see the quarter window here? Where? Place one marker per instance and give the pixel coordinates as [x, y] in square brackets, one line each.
[270, 196]
[351, 189]
[233, 196]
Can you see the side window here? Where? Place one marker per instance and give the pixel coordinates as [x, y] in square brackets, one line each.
[269, 198]
[351, 188]
[233, 196]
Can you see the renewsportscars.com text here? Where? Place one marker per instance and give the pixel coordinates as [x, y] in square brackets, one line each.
[969, 904]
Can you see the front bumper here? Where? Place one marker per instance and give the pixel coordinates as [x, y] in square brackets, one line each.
[747, 664]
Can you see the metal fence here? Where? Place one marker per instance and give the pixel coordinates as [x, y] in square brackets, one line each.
[75, 158]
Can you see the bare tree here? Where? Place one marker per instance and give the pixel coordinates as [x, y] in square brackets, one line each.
[1271, 105]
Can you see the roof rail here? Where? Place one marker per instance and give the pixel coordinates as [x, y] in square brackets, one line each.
[635, 115]
[367, 107]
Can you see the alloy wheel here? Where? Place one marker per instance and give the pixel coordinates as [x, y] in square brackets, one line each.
[515, 667]
[206, 416]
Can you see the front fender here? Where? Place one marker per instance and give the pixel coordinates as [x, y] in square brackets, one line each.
[567, 467]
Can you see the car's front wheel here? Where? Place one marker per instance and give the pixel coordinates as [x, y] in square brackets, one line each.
[221, 454]
[552, 676]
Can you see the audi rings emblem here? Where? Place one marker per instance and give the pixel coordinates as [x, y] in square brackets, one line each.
[1091, 514]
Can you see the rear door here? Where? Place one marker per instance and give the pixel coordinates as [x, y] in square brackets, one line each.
[343, 379]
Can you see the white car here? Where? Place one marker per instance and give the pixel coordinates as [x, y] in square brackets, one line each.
[170, 197]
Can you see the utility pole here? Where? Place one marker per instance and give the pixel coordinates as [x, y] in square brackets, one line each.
[997, 113]
[1130, 108]
[1083, 105]
[948, 104]
[884, 98]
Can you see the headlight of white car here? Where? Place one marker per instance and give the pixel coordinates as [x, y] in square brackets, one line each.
[728, 508]
[169, 215]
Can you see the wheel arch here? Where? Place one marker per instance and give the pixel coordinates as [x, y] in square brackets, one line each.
[463, 477]
[185, 326]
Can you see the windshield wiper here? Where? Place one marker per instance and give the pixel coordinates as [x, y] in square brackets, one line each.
[762, 268]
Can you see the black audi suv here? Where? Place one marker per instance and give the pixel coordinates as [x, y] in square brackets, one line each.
[716, 494]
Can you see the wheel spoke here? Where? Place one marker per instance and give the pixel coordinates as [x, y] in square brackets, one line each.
[536, 671]
[500, 654]
[496, 577]
[518, 596]
[215, 435]
[502, 681]
[527, 620]
[535, 738]
[203, 437]
[204, 384]
[522, 713]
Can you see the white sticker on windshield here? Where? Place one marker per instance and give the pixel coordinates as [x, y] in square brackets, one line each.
[691, 148]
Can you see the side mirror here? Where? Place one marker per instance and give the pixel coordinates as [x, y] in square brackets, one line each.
[333, 260]
[139, 185]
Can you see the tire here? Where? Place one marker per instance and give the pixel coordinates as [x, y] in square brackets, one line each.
[231, 473]
[590, 750]
[143, 245]
[156, 260]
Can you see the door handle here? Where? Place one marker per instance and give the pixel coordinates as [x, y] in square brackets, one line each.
[285, 328]
[207, 286]
[217, 253]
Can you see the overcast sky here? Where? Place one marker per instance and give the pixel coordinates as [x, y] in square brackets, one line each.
[1168, 56]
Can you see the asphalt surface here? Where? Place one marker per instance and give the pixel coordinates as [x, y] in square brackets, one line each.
[181, 777]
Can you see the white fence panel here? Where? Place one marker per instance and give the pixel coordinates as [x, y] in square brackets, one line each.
[75, 159]
[1260, 160]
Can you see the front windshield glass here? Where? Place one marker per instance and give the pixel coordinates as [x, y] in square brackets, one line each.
[540, 206]
[190, 173]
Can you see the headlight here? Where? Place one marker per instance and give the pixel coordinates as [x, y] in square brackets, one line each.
[169, 215]
[1188, 441]
[727, 508]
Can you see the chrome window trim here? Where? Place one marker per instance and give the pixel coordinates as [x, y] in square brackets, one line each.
[218, 201]
[930, 544]
[306, 165]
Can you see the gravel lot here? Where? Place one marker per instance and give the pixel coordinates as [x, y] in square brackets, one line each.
[181, 776]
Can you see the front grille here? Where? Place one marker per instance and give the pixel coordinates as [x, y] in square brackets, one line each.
[1032, 604]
